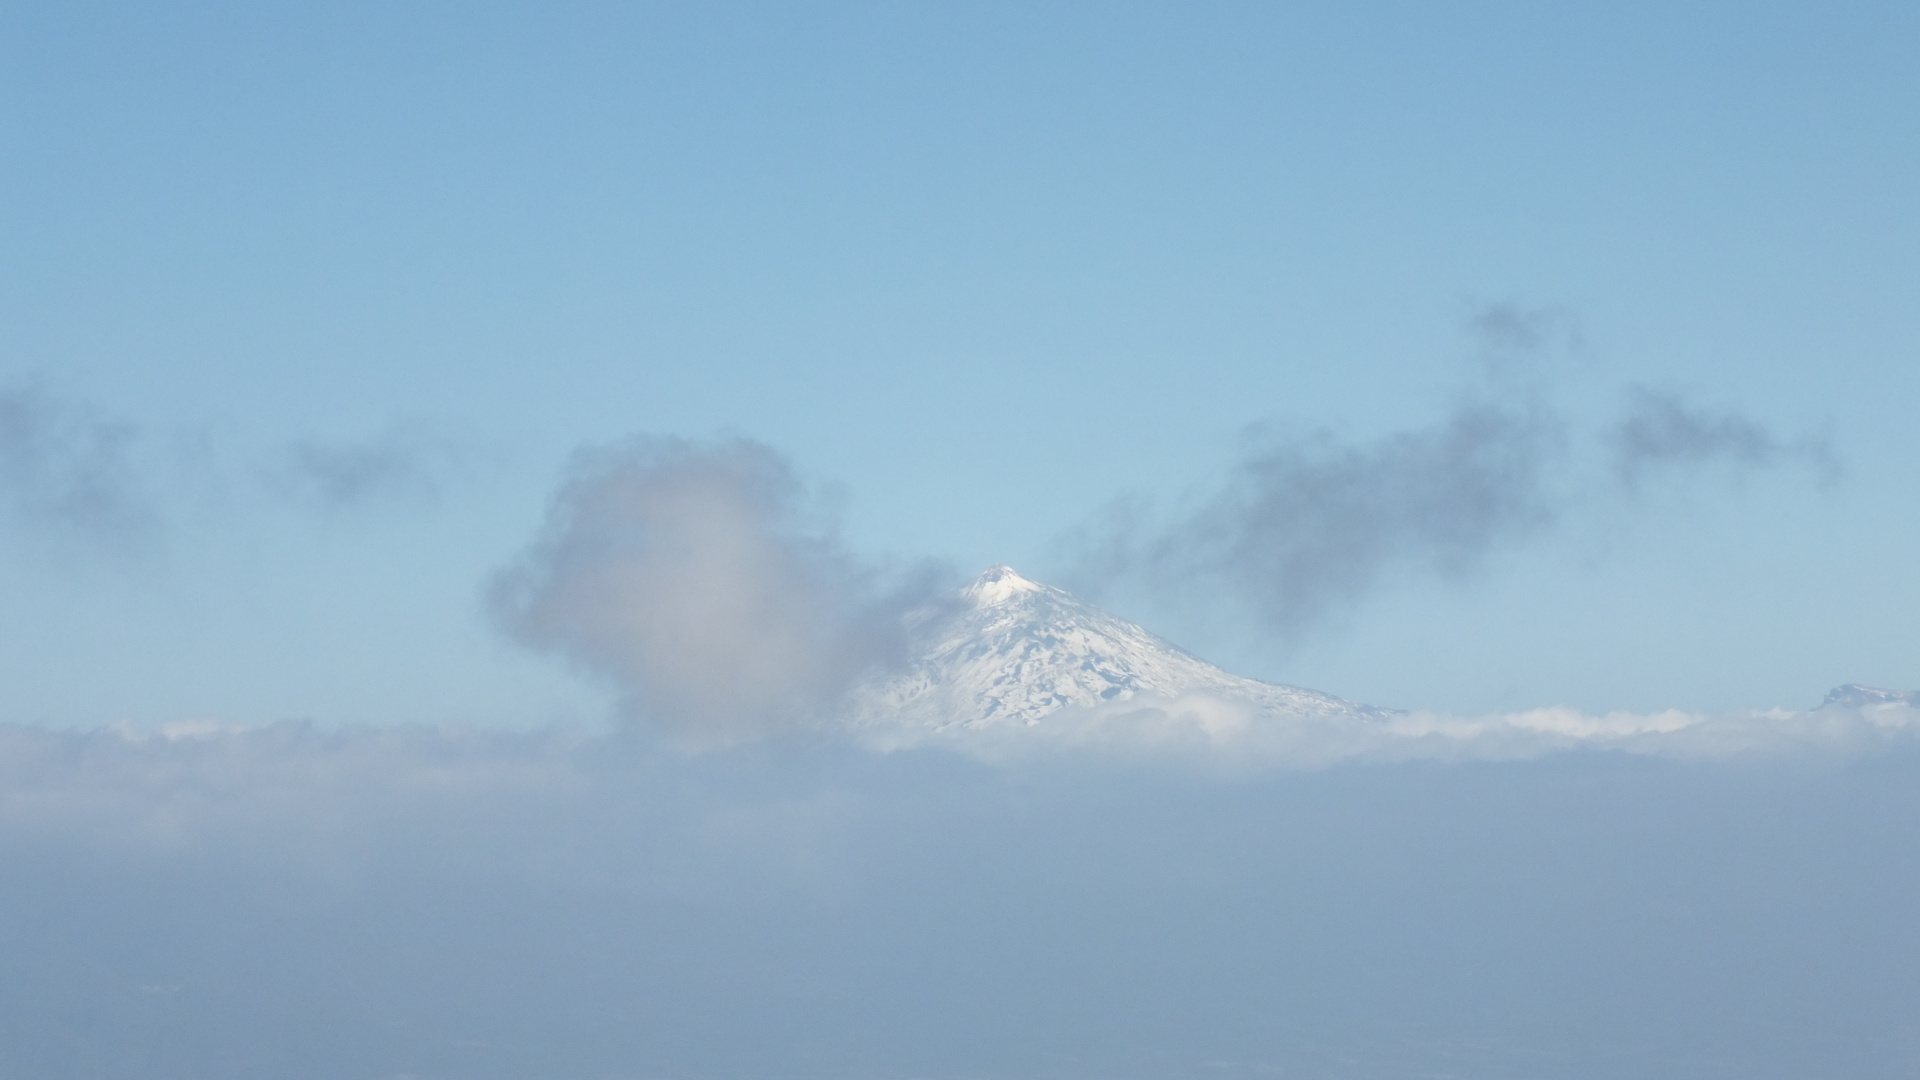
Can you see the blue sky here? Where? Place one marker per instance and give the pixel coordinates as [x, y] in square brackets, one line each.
[977, 272]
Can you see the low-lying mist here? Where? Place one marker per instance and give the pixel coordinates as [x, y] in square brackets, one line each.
[295, 902]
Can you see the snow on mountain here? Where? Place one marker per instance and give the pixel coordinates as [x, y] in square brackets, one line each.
[1856, 696]
[1008, 653]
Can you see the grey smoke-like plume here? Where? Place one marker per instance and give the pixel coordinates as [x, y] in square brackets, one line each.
[1305, 525]
[703, 583]
[1664, 430]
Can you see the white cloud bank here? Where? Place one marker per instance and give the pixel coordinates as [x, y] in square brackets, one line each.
[1199, 729]
[210, 903]
[157, 786]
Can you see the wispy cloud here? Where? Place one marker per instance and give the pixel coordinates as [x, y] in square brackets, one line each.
[404, 464]
[704, 582]
[1510, 340]
[67, 468]
[73, 471]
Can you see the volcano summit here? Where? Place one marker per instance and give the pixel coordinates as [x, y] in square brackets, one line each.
[1008, 653]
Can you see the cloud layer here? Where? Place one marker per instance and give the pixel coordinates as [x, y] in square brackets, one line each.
[287, 901]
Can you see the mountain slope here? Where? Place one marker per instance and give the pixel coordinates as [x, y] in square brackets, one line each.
[1856, 696]
[1009, 652]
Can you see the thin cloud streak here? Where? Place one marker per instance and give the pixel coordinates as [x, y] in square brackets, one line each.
[403, 464]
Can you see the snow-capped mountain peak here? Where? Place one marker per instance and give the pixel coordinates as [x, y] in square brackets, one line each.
[998, 584]
[1012, 651]
[1856, 696]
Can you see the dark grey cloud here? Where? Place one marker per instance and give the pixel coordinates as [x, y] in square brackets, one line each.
[65, 467]
[1304, 525]
[1661, 430]
[705, 583]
